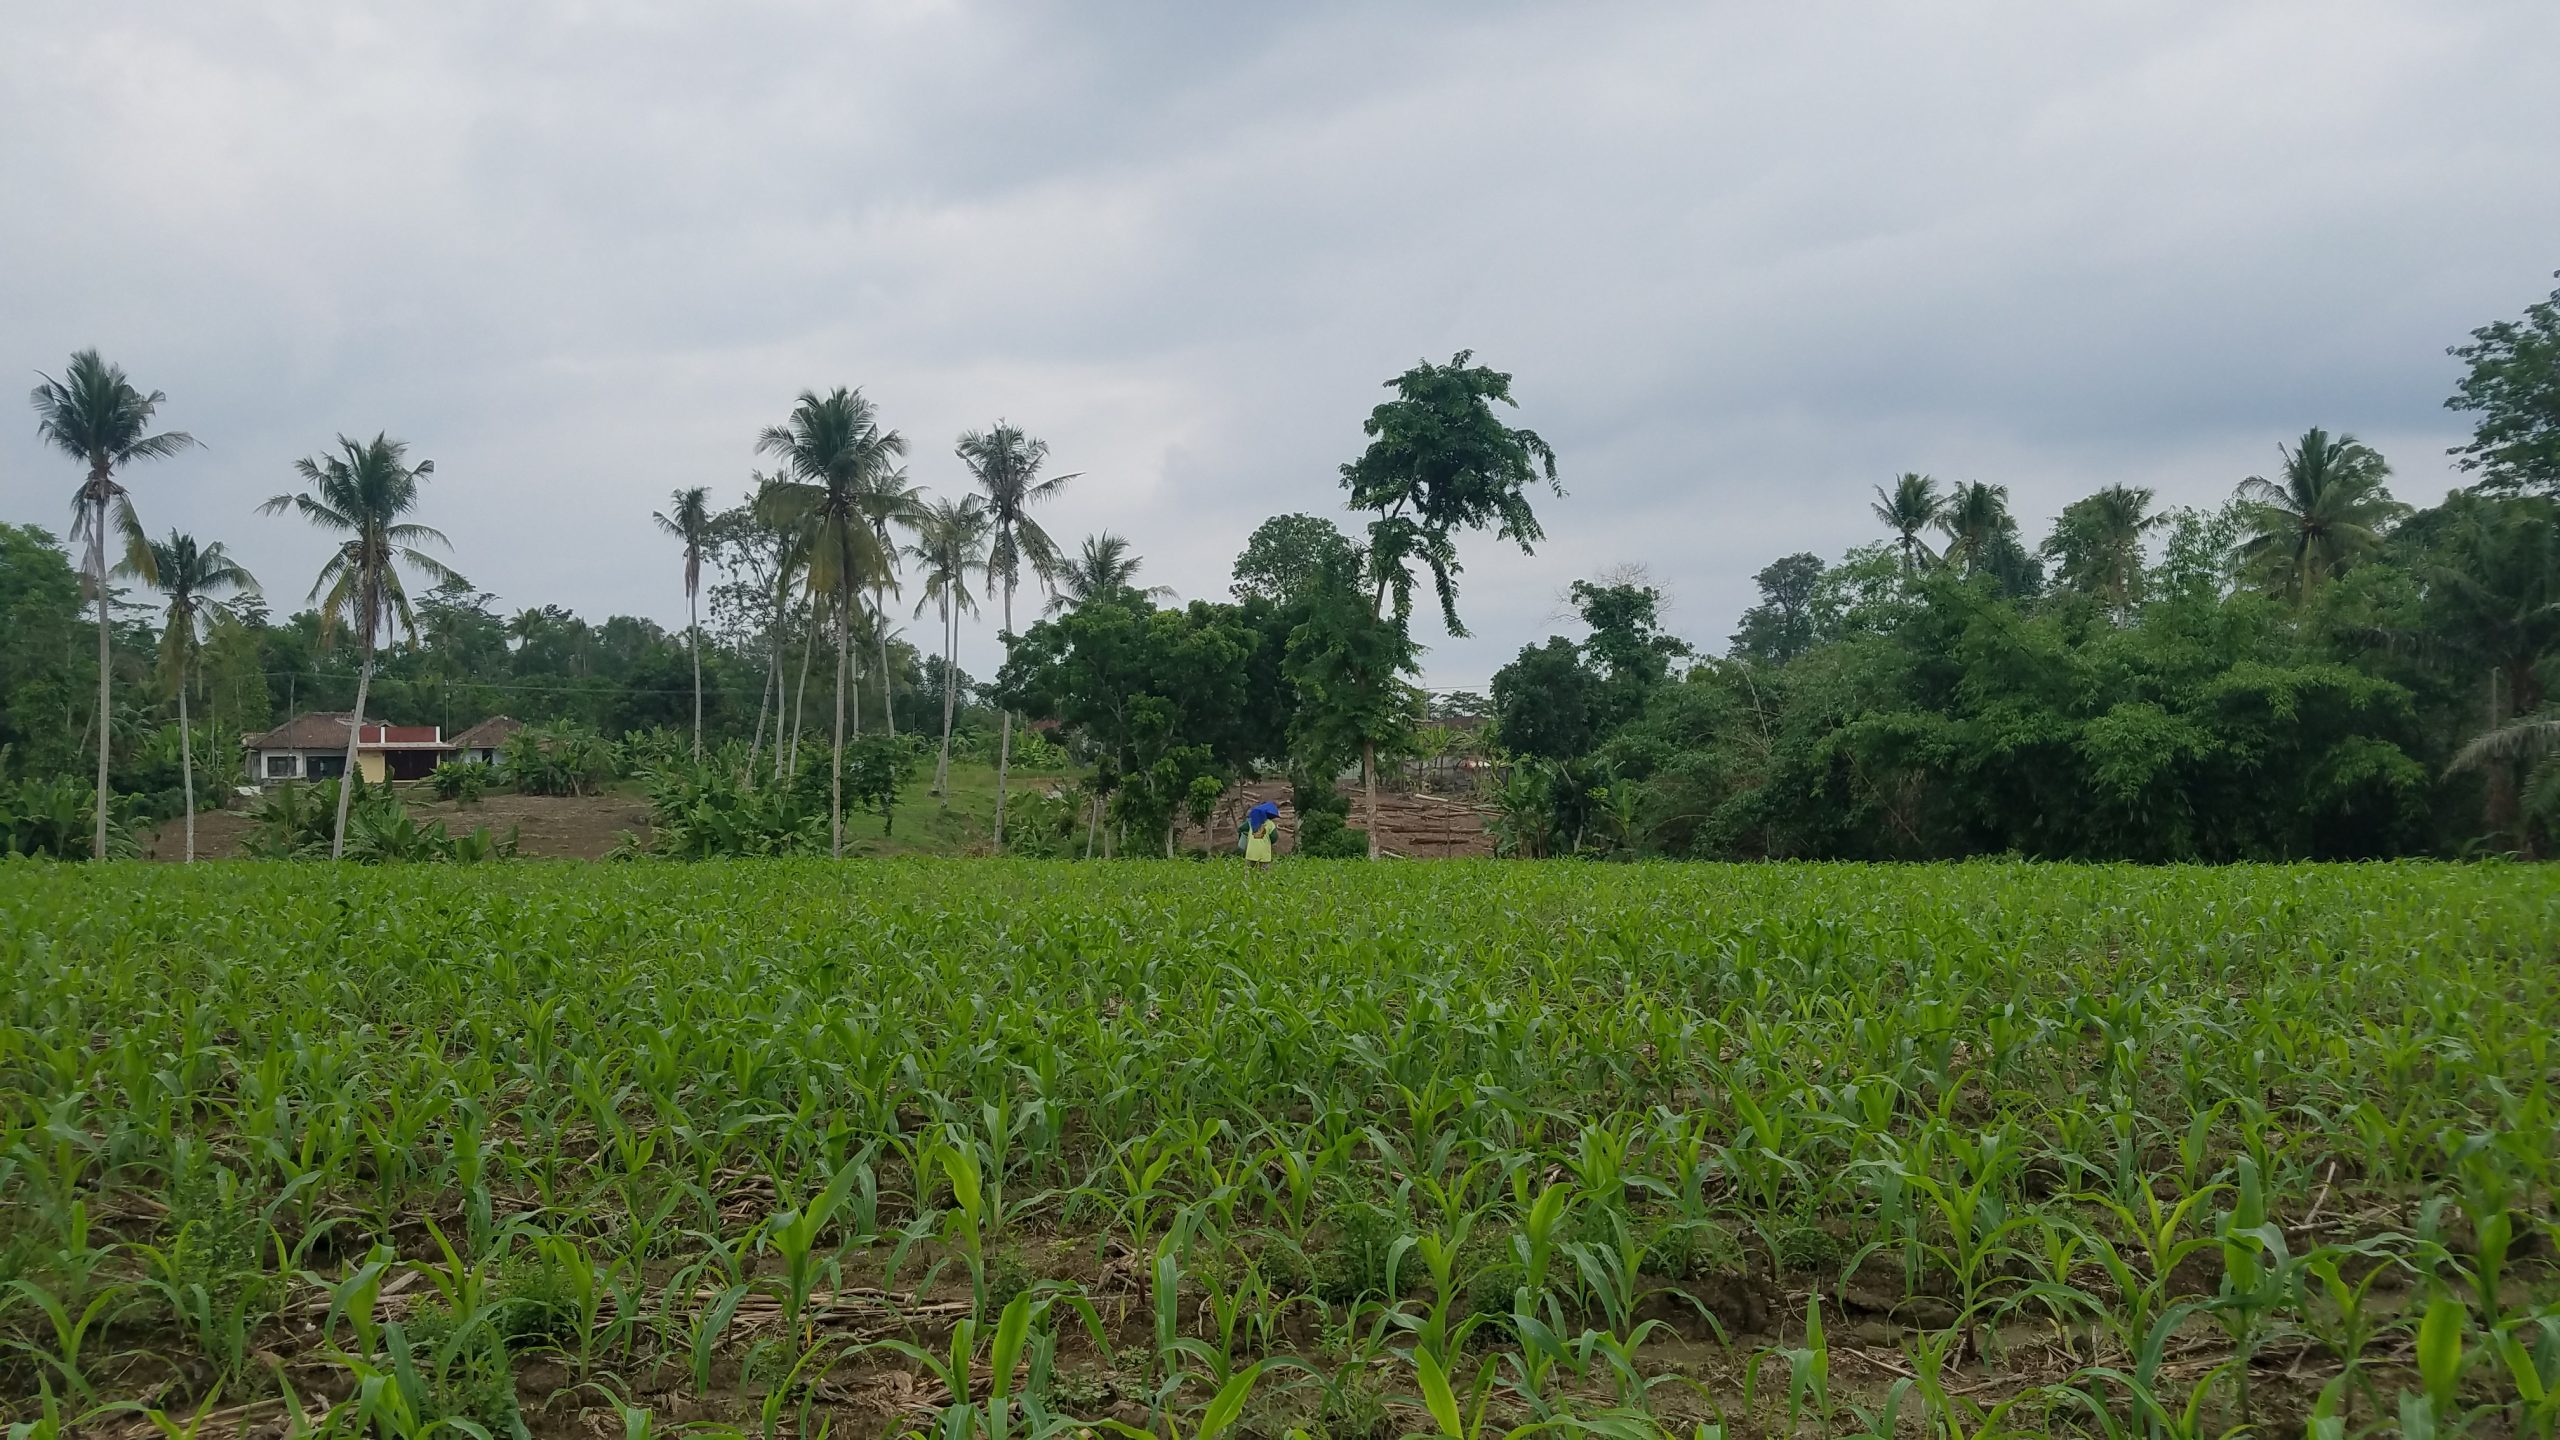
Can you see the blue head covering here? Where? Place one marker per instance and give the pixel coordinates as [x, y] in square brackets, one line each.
[1259, 813]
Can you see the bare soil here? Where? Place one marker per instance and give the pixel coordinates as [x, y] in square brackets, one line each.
[1411, 825]
[553, 827]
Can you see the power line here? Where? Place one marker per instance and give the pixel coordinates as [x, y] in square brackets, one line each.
[567, 687]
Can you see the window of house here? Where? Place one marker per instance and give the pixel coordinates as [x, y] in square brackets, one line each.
[280, 767]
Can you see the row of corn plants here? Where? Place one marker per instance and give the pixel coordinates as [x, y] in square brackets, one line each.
[1011, 1149]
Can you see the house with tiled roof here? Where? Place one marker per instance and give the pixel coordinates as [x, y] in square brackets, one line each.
[482, 742]
[313, 746]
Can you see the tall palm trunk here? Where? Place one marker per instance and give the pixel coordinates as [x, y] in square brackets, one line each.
[693, 623]
[950, 643]
[844, 661]
[98, 573]
[808, 646]
[186, 764]
[888, 704]
[764, 707]
[1004, 731]
[850, 676]
[767, 702]
[355, 730]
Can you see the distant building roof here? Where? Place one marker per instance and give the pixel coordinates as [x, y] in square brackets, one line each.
[327, 730]
[489, 734]
[313, 730]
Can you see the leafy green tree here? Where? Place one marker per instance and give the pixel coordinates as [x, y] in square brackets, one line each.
[1546, 702]
[2330, 510]
[876, 769]
[1871, 591]
[199, 582]
[1344, 664]
[40, 675]
[1288, 554]
[769, 553]
[363, 493]
[1908, 510]
[1439, 461]
[98, 417]
[2097, 546]
[461, 642]
[836, 450]
[1627, 646]
[688, 518]
[951, 544]
[1780, 627]
[2514, 387]
[1005, 463]
[2198, 554]
[1159, 696]
[233, 668]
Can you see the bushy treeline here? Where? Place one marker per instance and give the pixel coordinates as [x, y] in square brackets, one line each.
[471, 661]
[2303, 673]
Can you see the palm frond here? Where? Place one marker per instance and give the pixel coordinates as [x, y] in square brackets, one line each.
[414, 535]
[2516, 740]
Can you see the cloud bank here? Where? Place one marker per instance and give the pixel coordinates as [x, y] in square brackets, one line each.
[1743, 262]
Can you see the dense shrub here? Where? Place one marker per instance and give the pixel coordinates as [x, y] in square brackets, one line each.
[561, 758]
[460, 780]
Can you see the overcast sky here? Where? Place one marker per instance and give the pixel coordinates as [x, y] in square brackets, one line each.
[1743, 261]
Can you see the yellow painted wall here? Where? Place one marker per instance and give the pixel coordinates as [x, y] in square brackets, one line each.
[369, 764]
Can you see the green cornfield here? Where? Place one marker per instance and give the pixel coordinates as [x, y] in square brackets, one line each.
[1008, 1149]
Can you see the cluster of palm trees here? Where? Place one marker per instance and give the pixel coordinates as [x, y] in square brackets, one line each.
[836, 502]
[363, 494]
[2329, 508]
[101, 419]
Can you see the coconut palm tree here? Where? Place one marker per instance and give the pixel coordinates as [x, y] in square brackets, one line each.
[96, 416]
[951, 541]
[2493, 601]
[362, 493]
[1973, 518]
[2097, 544]
[2329, 510]
[2531, 741]
[1006, 465]
[836, 449]
[1103, 566]
[1912, 506]
[200, 583]
[887, 498]
[688, 519]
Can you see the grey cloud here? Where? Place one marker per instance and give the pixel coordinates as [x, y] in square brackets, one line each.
[1744, 262]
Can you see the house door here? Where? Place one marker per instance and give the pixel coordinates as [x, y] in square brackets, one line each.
[324, 767]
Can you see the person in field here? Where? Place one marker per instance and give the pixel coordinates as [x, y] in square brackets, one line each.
[1261, 828]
